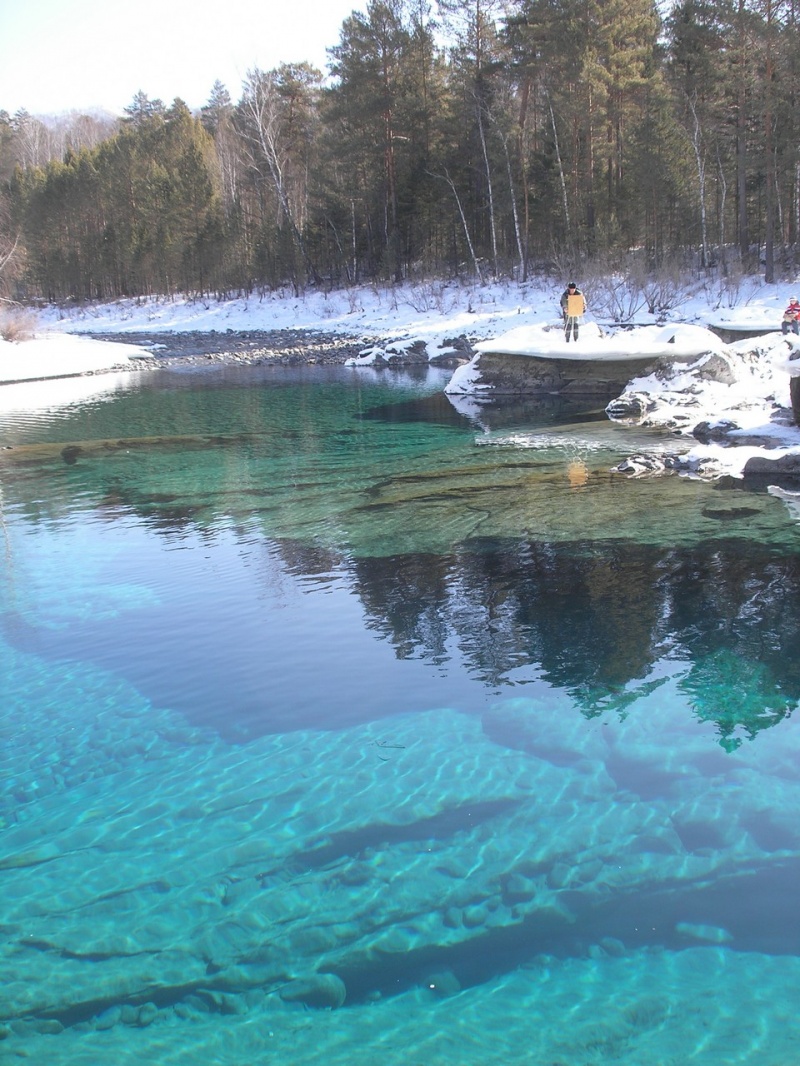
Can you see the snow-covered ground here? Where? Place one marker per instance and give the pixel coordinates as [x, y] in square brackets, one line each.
[54, 354]
[754, 398]
[673, 340]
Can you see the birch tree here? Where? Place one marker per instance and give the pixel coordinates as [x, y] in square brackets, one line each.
[274, 114]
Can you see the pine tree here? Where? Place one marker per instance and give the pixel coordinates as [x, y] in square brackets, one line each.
[367, 109]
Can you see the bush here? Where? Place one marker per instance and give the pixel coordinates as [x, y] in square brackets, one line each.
[17, 325]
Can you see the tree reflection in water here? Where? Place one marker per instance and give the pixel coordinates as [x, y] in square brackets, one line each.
[595, 619]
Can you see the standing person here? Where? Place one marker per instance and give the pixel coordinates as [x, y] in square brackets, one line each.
[791, 317]
[573, 307]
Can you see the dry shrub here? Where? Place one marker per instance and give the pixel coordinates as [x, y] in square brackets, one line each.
[17, 325]
[430, 296]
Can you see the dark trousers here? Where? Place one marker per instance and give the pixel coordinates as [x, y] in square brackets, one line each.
[571, 322]
[793, 326]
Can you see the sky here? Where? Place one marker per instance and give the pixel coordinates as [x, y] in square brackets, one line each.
[59, 56]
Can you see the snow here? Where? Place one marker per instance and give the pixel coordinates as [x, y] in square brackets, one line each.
[597, 345]
[52, 354]
[502, 317]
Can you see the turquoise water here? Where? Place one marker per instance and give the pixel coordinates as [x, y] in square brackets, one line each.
[341, 725]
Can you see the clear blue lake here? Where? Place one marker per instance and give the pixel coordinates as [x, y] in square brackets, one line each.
[339, 725]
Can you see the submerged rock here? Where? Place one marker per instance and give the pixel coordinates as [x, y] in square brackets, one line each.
[322, 991]
[108, 1018]
[639, 465]
[443, 983]
[707, 934]
[148, 1012]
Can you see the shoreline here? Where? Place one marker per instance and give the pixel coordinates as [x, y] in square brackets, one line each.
[164, 350]
[288, 347]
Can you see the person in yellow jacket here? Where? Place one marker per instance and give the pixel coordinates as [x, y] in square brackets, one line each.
[573, 307]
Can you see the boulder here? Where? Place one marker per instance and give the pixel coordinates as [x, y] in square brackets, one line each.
[763, 466]
[602, 379]
[794, 392]
[321, 990]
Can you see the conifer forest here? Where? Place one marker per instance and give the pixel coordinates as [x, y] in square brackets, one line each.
[472, 138]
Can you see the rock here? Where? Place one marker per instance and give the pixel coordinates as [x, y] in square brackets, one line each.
[230, 1004]
[638, 465]
[706, 432]
[449, 359]
[762, 466]
[322, 991]
[196, 1004]
[108, 1018]
[148, 1012]
[453, 351]
[33, 1026]
[727, 514]
[707, 934]
[559, 875]
[475, 915]
[355, 873]
[601, 379]
[288, 347]
[70, 454]
[459, 344]
[523, 725]
[794, 393]
[628, 408]
[715, 367]
[519, 887]
[417, 352]
[443, 983]
[452, 918]
[614, 947]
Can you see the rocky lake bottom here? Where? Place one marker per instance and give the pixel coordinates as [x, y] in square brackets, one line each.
[330, 736]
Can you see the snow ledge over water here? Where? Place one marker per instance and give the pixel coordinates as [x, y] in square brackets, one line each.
[742, 400]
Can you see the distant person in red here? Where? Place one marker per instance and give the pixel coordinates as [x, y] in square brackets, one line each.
[573, 307]
[791, 317]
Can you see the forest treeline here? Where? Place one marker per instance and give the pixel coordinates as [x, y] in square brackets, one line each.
[552, 132]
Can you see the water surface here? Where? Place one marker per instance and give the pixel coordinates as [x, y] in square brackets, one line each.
[338, 723]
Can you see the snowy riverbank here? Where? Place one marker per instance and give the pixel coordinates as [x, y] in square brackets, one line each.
[747, 400]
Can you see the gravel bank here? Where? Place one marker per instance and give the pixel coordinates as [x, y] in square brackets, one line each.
[285, 347]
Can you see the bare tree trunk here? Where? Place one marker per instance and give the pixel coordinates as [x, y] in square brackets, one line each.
[521, 155]
[590, 206]
[475, 262]
[261, 107]
[741, 142]
[514, 211]
[724, 187]
[489, 187]
[353, 239]
[7, 254]
[513, 197]
[769, 236]
[697, 144]
[561, 175]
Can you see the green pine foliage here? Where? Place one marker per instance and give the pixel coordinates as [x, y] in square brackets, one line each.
[476, 137]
